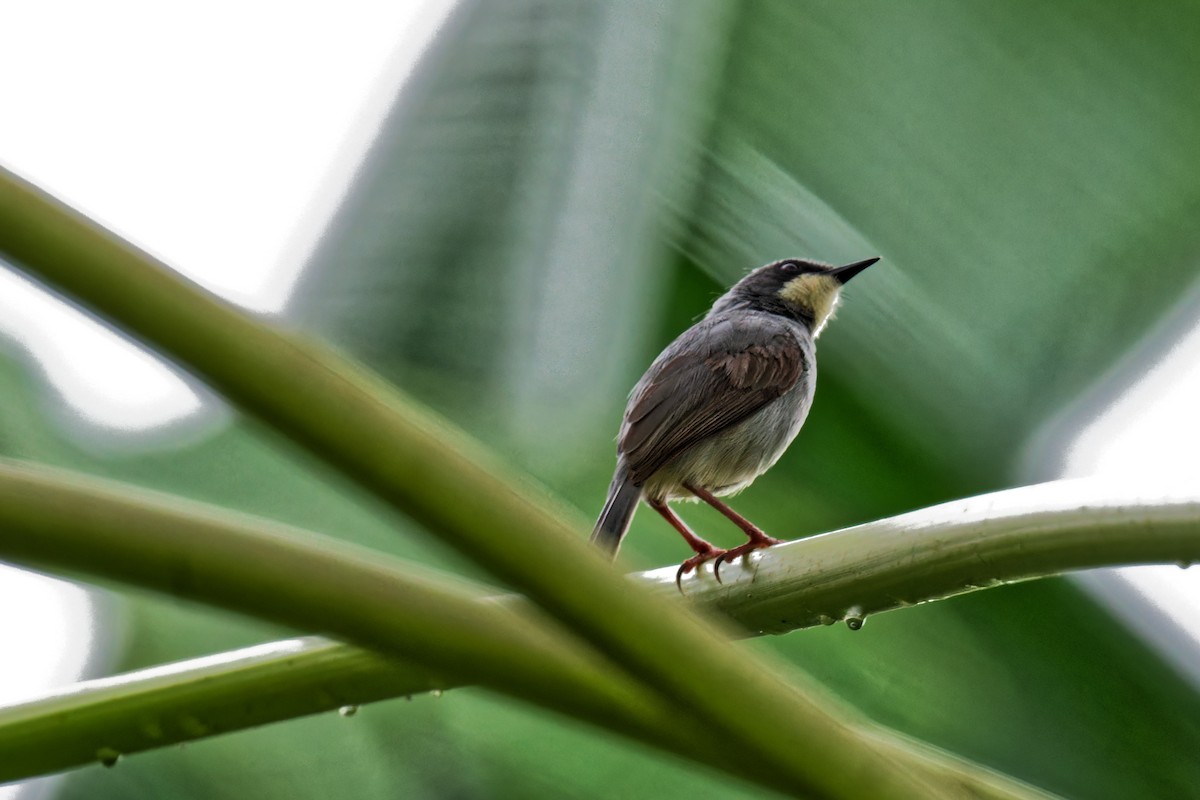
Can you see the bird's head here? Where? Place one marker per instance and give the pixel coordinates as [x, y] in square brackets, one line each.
[805, 290]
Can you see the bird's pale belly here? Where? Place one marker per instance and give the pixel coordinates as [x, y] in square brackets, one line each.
[730, 461]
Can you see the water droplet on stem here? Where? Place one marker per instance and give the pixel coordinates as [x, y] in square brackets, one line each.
[854, 618]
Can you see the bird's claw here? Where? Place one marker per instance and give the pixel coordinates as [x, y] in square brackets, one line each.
[741, 551]
[694, 562]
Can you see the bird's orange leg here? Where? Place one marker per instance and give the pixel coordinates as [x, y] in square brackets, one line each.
[704, 550]
[758, 539]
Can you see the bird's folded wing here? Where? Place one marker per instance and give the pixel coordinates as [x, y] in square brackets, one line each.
[704, 390]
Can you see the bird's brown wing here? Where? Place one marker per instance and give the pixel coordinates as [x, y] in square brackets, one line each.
[727, 373]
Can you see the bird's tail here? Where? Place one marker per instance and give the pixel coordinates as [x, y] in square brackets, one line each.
[614, 520]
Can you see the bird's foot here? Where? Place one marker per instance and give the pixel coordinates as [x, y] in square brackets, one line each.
[705, 554]
[733, 553]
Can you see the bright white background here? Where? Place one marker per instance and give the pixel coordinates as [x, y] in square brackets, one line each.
[1147, 435]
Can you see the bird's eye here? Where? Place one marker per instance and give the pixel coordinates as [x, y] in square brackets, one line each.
[790, 267]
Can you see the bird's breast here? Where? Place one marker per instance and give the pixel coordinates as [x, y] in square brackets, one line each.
[730, 460]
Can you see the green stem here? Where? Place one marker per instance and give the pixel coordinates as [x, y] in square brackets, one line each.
[100, 719]
[1007, 536]
[949, 549]
[64, 523]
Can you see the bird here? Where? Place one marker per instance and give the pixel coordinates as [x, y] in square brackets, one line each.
[721, 404]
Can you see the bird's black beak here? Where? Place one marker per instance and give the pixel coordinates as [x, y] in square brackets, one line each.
[847, 272]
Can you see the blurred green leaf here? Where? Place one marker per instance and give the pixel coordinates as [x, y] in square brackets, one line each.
[1028, 172]
[1029, 175]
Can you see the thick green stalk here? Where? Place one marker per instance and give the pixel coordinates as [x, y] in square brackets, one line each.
[1013, 535]
[949, 549]
[67, 523]
[99, 720]
[83, 526]
[416, 463]
[1007, 536]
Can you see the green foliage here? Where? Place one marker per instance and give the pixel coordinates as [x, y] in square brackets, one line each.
[562, 187]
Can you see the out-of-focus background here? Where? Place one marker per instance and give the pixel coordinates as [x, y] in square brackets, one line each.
[508, 208]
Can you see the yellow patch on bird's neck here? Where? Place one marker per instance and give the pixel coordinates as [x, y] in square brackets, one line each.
[815, 294]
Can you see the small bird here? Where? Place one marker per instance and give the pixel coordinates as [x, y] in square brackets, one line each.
[721, 403]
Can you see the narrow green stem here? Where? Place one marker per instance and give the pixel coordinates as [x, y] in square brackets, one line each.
[100, 719]
[65, 523]
[55, 521]
[946, 550]
[961, 546]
